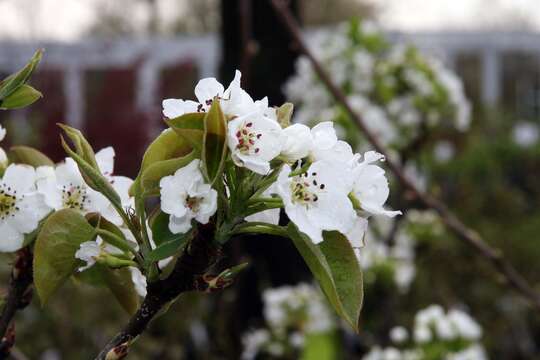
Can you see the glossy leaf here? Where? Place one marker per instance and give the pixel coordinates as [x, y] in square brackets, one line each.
[152, 174]
[190, 127]
[54, 251]
[168, 145]
[29, 156]
[22, 97]
[13, 82]
[167, 249]
[120, 284]
[214, 142]
[336, 268]
[159, 223]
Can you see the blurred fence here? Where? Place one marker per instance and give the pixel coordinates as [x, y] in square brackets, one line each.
[111, 86]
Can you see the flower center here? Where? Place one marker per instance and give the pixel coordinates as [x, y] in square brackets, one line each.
[247, 139]
[74, 197]
[193, 203]
[8, 202]
[304, 189]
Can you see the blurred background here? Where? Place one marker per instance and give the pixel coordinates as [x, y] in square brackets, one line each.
[472, 139]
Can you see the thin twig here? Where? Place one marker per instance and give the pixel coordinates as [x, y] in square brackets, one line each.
[493, 255]
[18, 297]
[194, 262]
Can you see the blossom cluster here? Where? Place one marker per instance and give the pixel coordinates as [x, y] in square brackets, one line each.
[397, 90]
[452, 335]
[291, 313]
[317, 174]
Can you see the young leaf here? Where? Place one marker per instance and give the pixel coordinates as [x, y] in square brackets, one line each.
[13, 82]
[120, 284]
[29, 156]
[335, 266]
[168, 145]
[54, 251]
[166, 249]
[82, 146]
[214, 142]
[152, 174]
[159, 223]
[22, 97]
[190, 127]
[284, 114]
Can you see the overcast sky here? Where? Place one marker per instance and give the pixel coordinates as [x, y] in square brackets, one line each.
[67, 19]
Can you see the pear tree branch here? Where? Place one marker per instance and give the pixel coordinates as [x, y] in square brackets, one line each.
[503, 267]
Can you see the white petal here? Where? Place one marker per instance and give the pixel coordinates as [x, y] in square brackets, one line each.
[173, 108]
[357, 232]
[207, 89]
[20, 177]
[297, 142]
[68, 174]
[179, 225]
[51, 192]
[12, 240]
[32, 209]
[270, 216]
[105, 160]
[324, 135]
[122, 184]
[3, 132]
[207, 207]
[138, 280]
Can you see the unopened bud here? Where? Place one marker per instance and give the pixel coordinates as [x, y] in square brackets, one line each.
[118, 352]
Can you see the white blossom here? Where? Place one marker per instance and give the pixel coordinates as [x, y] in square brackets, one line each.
[63, 187]
[270, 216]
[185, 196]
[297, 142]
[371, 186]
[21, 207]
[326, 145]
[398, 334]
[317, 199]
[89, 252]
[526, 134]
[254, 140]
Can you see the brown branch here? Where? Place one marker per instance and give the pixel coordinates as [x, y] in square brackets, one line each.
[194, 262]
[18, 297]
[493, 255]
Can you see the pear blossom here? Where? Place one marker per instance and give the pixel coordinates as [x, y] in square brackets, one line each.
[234, 100]
[326, 145]
[270, 216]
[64, 187]
[3, 156]
[21, 207]
[254, 140]
[371, 186]
[318, 200]
[185, 196]
[297, 142]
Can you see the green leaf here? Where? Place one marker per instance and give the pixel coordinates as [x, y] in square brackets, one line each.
[284, 114]
[167, 249]
[54, 251]
[190, 127]
[13, 82]
[29, 156]
[168, 145]
[335, 266]
[22, 97]
[120, 284]
[118, 281]
[214, 149]
[152, 174]
[159, 223]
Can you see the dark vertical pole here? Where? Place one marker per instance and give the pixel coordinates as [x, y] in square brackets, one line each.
[255, 42]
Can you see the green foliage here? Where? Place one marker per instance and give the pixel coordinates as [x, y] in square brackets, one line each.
[335, 266]
[161, 157]
[14, 93]
[190, 127]
[321, 346]
[54, 251]
[29, 156]
[284, 114]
